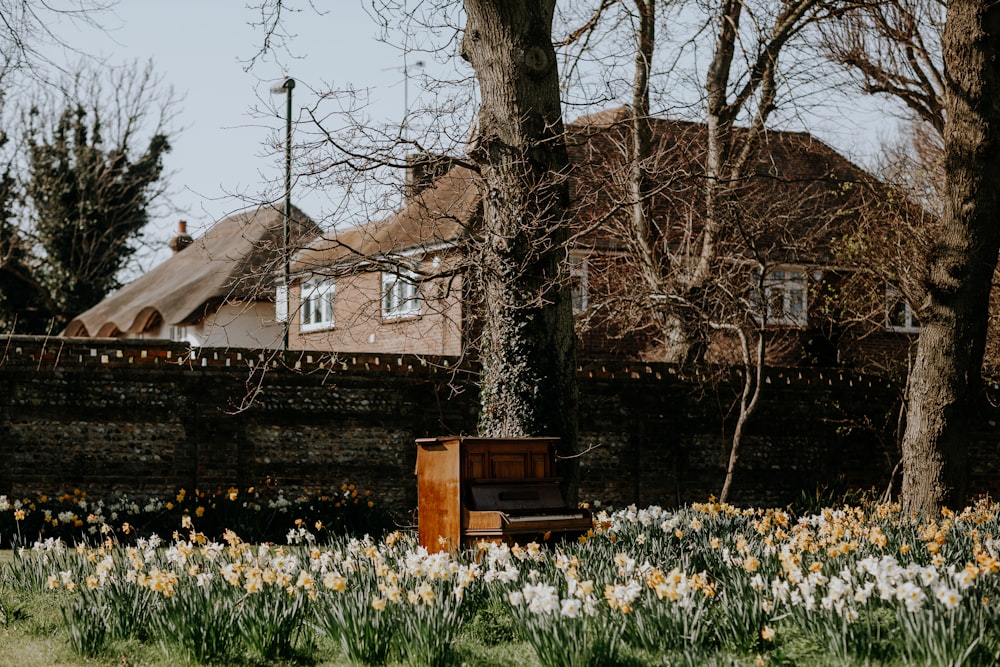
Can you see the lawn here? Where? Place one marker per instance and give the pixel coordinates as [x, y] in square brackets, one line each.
[33, 634]
[707, 584]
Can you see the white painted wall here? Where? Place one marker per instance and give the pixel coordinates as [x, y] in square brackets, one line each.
[238, 324]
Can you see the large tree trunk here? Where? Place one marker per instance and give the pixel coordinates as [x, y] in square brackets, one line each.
[945, 382]
[528, 384]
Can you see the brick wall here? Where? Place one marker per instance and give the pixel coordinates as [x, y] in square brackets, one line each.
[119, 416]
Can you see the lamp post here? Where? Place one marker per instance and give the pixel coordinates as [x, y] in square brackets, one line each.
[285, 86]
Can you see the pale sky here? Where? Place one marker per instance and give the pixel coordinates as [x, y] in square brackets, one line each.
[201, 48]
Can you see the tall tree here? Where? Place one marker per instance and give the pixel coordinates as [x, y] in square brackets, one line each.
[20, 293]
[91, 178]
[30, 33]
[945, 382]
[520, 301]
[936, 58]
[528, 380]
[893, 49]
[694, 287]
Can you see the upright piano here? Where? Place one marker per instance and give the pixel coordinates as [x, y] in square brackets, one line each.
[501, 489]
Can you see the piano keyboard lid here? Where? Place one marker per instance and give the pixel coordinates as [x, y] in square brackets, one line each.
[517, 496]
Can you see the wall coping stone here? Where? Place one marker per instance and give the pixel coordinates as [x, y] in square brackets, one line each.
[51, 352]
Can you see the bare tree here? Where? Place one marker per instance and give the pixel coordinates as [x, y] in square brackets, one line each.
[517, 251]
[693, 288]
[936, 58]
[28, 27]
[893, 49]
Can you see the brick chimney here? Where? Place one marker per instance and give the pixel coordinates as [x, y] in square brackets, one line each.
[422, 169]
[183, 239]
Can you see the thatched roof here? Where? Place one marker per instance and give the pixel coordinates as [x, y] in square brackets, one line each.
[235, 260]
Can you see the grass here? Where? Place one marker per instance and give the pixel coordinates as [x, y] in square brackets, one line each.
[32, 634]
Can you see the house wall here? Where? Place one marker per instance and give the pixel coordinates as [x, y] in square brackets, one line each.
[115, 418]
[359, 326]
[235, 324]
[245, 325]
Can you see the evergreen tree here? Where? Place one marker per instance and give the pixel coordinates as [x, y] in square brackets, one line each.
[91, 202]
[19, 291]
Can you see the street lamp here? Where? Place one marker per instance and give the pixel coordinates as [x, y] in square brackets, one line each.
[285, 87]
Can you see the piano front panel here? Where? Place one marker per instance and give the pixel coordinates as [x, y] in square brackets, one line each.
[506, 459]
[475, 465]
[510, 466]
[540, 464]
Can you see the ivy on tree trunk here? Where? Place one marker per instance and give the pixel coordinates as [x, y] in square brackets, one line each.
[528, 383]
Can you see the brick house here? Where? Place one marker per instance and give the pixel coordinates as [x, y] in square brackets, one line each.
[392, 286]
[215, 291]
[396, 285]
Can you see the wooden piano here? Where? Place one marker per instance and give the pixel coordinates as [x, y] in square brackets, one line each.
[503, 489]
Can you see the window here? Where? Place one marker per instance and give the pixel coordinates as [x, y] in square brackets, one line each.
[578, 283]
[786, 297]
[316, 311]
[899, 314]
[400, 295]
[178, 334]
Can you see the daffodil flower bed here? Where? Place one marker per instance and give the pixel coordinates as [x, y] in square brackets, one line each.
[706, 584]
[258, 514]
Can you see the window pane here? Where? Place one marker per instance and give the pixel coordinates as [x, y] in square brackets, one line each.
[317, 303]
[787, 297]
[796, 303]
[578, 283]
[388, 296]
[897, 314]
[281, 303]
[400, 295]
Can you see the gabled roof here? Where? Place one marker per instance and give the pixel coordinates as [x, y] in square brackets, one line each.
[235, 260]
[441, 214]
[799, 195]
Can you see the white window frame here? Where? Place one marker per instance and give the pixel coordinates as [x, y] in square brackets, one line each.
[316, 300]
[893, 299]
[786, 296]
[400, 295]
[579, 273]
